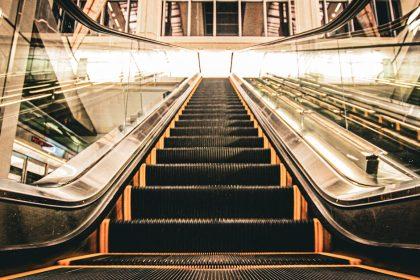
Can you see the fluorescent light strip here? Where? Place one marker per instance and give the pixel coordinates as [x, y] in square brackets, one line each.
[26, 99]
[71, 89]
[21, 89]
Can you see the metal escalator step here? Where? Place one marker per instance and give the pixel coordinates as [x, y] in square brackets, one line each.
[203, 102]
[215, 260]
[338, 272]
[212, 174]
[214, 98]
[214, 116]
[215, 111]
[213, 155]
[211, 123]
[213, 93]
[208, 97]
[215, 101]
[215, 106]
[215, 131]
[265, 202]
[182, 142]
[210, 235]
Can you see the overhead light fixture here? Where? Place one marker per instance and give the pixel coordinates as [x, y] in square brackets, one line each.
[337, 8]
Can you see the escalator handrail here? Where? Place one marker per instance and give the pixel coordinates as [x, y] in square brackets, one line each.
[310, 172]
[88, 186]
[74, 11]
[372, 193]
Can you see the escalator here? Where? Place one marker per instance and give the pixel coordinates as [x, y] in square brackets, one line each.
[212, 201]
[209, 178]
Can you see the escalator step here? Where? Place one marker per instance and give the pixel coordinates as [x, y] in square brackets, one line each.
[180, 142]
[213, 155]
[212, 106]
[266, 202]
[203, 101]
[215, 98]
[210, 235]
[215, 94]
[215, 131]
[212, 103]
[215, 111]
[214, 260]
[224, 123]
[248, 273]
[213, 116]
[212, 174]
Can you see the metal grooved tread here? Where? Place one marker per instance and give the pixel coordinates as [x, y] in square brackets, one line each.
[212, 259]
[211, 235]
[282, 273]
[212, 174]
[213, 155]
[212, 201]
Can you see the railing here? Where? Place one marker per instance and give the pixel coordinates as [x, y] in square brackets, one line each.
[84, 110]
[342, 110]
[60, 94]
[353, 101]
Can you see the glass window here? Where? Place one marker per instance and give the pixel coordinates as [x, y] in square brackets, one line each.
[116, 15]
[278, 22]
[331, 9]
[132, 20]
[387, 11]
[202, 19]
[175, 18]
[321, 12]
[396, 9]
[252, 19]
[227, 19]
[383, 12]
[365, 22]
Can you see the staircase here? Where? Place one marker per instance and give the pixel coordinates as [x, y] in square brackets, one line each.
[210, 203]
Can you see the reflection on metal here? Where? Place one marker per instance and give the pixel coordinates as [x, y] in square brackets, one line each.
[359, 213]
[84, 178]
[367, 109]
[327, 180]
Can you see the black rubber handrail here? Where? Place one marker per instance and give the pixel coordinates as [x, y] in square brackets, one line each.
[348, 14]
[74, 11]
